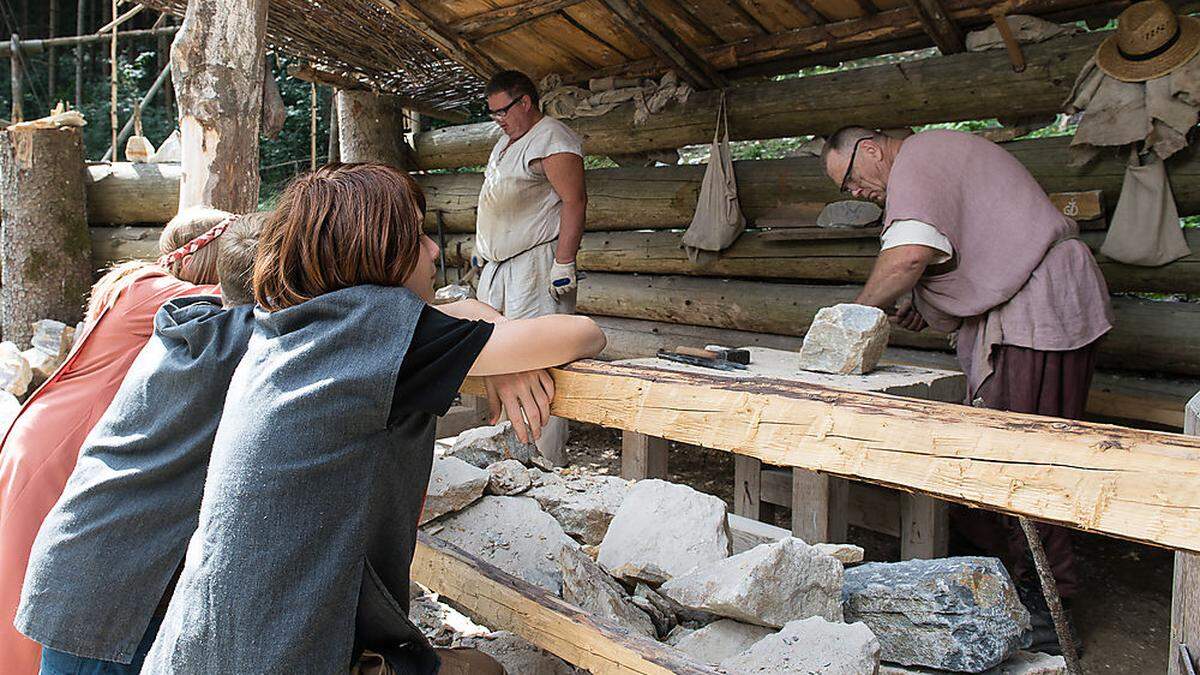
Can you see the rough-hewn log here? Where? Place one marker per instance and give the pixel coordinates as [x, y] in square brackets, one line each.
[1146, 336]
[217, 70]
[484, 24]
[958, 87]
[1127, 483]
[123, 193]
[505, 602]
[1156, 400]
[785, 191]
[45, 251]
[371, 128]
[756, 255]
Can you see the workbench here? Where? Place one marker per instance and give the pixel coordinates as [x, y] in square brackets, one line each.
[822, 506]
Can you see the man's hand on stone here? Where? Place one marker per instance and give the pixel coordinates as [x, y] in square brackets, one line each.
[908, 317]
[524, 398]
[562, 279]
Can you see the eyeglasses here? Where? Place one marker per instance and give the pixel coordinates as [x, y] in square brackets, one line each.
[850, 166]
[503, 112]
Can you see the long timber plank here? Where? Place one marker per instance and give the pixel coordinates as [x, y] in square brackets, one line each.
[1138, 485]
[504, 602]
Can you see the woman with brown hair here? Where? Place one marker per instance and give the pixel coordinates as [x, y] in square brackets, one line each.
[320, 465]
[39, 450]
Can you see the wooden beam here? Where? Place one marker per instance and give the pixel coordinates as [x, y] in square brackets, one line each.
[1158, 400]
[486, 24]
[1132, 484]
[970, 85]
[669, 47]
[938, 25]
[308, 73]
[1184, 643]
[504, 602]
[1145, 336]
[455, 46]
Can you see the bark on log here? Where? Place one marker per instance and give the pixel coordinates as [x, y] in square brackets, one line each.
[785, 191]
[1127, 483]
[1115, 395]
[46, 251]
[756, 256]
[371, 129]
[939, 89]
[1146, 336]
[123, 193]
[217, 69]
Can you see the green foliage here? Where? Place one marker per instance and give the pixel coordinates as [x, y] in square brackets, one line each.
[289, 153]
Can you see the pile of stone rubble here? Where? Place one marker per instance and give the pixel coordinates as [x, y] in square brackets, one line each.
[657, 558]
[23, 371]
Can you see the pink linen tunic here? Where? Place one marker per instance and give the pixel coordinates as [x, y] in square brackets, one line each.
[39, 450]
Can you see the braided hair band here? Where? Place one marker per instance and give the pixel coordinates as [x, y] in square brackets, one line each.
[196, 244]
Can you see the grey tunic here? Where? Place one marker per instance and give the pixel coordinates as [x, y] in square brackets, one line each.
[111, 545]
[308, 522]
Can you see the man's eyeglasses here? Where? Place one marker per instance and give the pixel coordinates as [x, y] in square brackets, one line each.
[503, 112]
[850, 166]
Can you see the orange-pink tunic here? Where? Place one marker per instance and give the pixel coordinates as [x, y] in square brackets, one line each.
[39, 450]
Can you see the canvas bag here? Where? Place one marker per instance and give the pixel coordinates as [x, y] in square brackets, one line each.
[1145, 228]
[718, 219]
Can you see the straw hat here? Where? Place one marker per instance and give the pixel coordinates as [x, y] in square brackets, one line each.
[1150, 41]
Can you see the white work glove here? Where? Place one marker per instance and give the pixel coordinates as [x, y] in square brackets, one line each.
[562, 279]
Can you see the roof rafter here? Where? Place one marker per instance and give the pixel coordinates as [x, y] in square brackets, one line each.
[453, 45]
[667, 45]
[504, 19]
[938, 24]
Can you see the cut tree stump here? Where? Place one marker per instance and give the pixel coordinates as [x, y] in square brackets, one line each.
[47, 251]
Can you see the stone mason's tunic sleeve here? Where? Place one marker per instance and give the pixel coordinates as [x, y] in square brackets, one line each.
[907, 232]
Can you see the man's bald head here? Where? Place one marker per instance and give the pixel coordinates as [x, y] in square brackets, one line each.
[859, 160]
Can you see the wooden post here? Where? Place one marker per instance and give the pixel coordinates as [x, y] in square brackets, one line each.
[642, 456]
[79, 13]
[217, 69]
[113, 69]
[924, 527]
[371, 129]
[312, 127]
[747, 489]
[44, 241]
[333, 153]
[17, 114]
[52, 53]
[820, 503]
[1185, 591]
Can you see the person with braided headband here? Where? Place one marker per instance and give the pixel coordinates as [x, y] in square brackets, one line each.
[40, 448]
[102, 566]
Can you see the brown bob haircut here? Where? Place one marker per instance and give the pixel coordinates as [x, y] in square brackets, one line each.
[342, 225]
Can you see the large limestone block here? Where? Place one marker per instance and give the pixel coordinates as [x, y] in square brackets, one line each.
[483, 446]
[42, 364]
[512, 533]
[769, 585]
[583, 504]
[845, 339]
[811, 645]
[721, 640]
[589, 587]
[663, 530]
[453, 485]
[960, 614]
[15, 373]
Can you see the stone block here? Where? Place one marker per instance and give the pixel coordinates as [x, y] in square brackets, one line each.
[583, 504]
[721, 640]
[845, 339]
[589, 587]
[508, 478]
[453, 485]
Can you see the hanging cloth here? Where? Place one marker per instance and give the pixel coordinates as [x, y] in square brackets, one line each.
[718, 219]
[1145, 228]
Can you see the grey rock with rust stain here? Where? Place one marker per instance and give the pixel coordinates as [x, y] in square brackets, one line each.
[960, 614]
[769, 585]
[512, 533]
[663, 530]
[721, 640]
[846, 339]
[487, 445]
[583, 504]
[811, 645]
[508, 478]
[849, 213]
[589, 587]
[453, 485]
[519, 656]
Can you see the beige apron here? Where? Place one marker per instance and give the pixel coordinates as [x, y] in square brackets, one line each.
[718, 220]
[1145, 228]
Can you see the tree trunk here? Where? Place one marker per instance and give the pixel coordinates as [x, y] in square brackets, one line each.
[163, 49]
[217, 66]
[1145, 336]
[967, 86]
[334, 151]
[371, 129]
[44, 243]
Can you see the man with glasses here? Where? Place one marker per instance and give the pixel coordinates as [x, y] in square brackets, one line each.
[973, 246]
[530, 217]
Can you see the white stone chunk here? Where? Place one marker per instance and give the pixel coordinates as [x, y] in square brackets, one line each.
[15, 373]
[811, 645]
[663, 530]
[587, 586]
[453, 485]
[9, 407]
[53, 337]
[583, 504]
[508, 478]
[721, 640]
[845, 339]
[769, 585]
